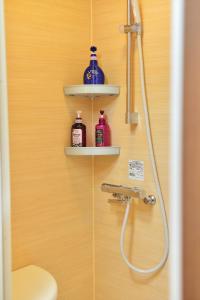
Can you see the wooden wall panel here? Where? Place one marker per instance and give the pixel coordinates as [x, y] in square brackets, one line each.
[51, 194]
[191, 158]
[144, 243]
[52, 223]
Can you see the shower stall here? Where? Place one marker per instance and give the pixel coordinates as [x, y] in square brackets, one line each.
[82, 214]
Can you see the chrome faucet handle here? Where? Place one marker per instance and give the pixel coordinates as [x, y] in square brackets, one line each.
[150, 200]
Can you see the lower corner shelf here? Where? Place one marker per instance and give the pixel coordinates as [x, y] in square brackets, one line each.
[78, 151]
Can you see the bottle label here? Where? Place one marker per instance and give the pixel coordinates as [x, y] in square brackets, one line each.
[90, 74]
[77, 140]
[99, 137]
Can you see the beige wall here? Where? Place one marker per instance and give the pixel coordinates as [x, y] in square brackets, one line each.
[56, 224]
[51, 219]
[144, 243]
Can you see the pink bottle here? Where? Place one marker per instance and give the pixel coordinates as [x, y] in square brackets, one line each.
[102, 131]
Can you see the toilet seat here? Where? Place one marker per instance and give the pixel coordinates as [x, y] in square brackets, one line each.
[33, 283]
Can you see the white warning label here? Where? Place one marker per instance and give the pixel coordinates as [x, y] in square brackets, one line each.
[136, 169]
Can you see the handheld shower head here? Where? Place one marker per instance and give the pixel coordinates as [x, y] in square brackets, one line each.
[136, 11]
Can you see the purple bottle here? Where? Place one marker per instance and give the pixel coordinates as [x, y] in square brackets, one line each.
[78, 132]
[102, 131]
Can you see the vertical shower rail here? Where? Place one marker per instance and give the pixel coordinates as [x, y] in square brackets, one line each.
[130, 117]
[128, 111]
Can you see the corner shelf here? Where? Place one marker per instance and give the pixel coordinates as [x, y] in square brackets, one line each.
[77, 151]
[92, 90]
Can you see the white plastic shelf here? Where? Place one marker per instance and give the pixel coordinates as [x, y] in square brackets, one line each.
[92, 90]
[92, 151]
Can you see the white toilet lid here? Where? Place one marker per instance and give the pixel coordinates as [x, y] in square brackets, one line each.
[33, 283]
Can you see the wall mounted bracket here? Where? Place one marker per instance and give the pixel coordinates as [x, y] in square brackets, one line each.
[137, 28]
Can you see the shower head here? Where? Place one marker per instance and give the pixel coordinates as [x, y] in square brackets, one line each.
[136, 11]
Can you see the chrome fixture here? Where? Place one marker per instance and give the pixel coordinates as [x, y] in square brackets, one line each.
[124, 194]
[130, 116]
[119, 199]
[150, 200]
[131, 28]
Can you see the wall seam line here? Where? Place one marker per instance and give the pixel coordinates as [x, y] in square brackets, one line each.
[93, 205]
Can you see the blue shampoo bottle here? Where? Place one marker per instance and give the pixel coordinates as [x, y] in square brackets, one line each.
[93, 74]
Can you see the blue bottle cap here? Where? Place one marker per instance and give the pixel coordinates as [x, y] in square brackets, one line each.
[93, 48]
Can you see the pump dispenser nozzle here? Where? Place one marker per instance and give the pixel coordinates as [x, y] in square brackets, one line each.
[78, 117]
[79, 112]
[102, 120]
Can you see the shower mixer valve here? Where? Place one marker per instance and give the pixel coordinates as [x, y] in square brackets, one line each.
[125, 194]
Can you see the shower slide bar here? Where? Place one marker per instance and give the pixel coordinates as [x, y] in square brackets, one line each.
[131, 117]
[123, 193]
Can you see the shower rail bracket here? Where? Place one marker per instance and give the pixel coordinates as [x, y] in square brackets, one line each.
[123, 193]
[132, 117]
[137, 28]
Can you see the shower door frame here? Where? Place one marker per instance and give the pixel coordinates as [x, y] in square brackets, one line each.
[5, 207]
[191, 158]
[176, 146]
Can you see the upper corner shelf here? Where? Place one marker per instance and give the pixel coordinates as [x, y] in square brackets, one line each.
[92, 90]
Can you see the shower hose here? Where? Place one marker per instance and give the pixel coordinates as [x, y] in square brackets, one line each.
[163, 260]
